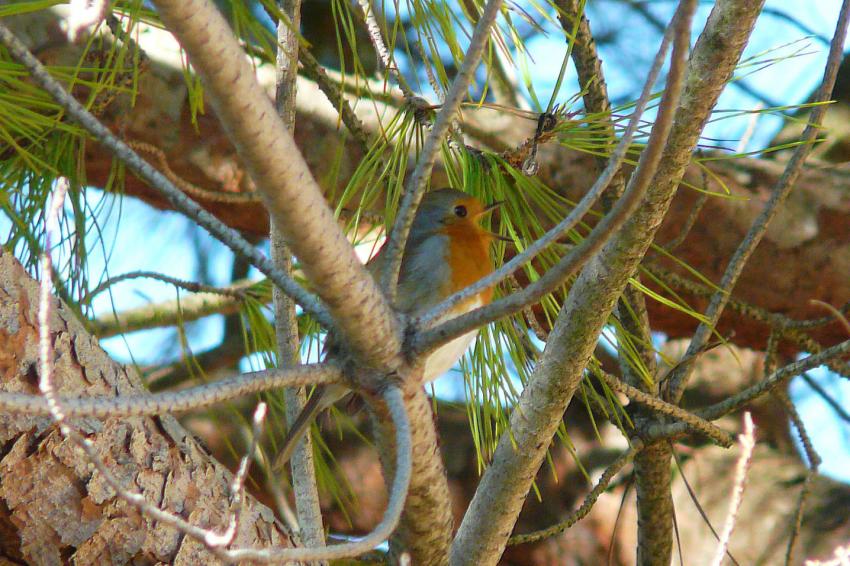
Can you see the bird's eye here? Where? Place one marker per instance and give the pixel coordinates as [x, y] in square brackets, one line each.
[460, 211]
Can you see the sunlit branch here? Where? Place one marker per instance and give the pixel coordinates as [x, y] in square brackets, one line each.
[657, 405]
[575, 215]
[290, 193]
[580, 254]
[175, 402]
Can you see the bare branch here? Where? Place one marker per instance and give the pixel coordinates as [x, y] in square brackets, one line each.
[748, 443]
[179, 401]
[498, 499]
[580, 254]
[741, 398]
[575, 215]
[219, 300]
[290, 193]
[304, 484]
[234, 291]
[657, 405]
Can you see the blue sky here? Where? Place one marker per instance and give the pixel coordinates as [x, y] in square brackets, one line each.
[170, 240]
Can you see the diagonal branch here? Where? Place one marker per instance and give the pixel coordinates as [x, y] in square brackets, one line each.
[157, 180]
[290, 193]
[493, 511]
[415, 186]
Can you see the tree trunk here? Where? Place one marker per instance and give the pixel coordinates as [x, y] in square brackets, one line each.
[54, 507]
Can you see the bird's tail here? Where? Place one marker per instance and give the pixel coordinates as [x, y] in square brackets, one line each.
[305, 418]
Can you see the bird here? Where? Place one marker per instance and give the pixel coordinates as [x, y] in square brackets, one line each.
[446, 251]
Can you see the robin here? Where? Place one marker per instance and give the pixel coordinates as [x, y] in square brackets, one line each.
[446, 251]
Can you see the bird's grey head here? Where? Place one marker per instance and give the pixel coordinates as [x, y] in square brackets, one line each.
[443, 207]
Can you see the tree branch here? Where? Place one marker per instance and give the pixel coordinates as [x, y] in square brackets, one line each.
[290, 193]
[415, 186]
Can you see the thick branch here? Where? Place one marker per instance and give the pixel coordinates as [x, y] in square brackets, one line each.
[288, 189]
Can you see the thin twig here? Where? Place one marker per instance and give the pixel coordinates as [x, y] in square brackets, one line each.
[175, 402]
[713, 432]
[586, 505]
[779, 193]
[735, 402]
[699, 506]
[157, 180]
[789, 328]
[236, 292]
[748, 443]
[415, 186]
[237, 486]
[191, 189]
[210, 538]
[304, 484]
[814, 462]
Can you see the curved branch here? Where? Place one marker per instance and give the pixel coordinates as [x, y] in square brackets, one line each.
[398, 494]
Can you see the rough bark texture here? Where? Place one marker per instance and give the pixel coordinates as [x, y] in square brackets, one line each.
[425, 531]
[54, 508]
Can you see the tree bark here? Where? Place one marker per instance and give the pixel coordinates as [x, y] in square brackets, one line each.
[54, 507]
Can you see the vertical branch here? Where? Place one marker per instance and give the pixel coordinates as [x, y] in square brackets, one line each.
[652, 477]
[748, 443]
[594, 294]
[502, 491]
[286, 324]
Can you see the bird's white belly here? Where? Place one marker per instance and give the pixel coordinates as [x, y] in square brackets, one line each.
[443, 358]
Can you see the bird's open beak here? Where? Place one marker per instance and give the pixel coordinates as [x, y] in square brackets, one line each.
[490, 208]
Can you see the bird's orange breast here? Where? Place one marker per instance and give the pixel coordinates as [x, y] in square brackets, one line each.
[469, 258]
